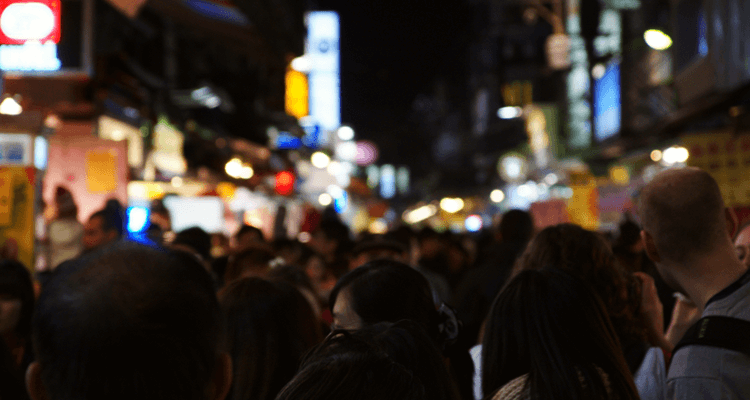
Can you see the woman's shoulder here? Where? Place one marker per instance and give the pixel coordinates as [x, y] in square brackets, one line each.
[516, 389]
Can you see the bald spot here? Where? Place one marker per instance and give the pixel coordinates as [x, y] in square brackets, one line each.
[683, 211]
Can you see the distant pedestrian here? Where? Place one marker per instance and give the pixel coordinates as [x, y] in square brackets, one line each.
[64, 231]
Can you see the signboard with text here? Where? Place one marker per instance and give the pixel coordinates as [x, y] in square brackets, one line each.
[45, 37]
[24, 21]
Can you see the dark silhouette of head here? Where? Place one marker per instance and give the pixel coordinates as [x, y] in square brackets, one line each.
[129, 322]
[549, 324]
[346, 367]
[16, 284]
[195, 240]
[248, 235]
[516, 226]
[387, 290]
[65, 204]
[103, 227]
[408, 344]
[270, 326]
[253, 261]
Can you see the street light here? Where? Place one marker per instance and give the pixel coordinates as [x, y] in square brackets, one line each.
[320, 160]
[497, 196]
[509, 112]
[10, 106]
[345, 133]
[657, 39]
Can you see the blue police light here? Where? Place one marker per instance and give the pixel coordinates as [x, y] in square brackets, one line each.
[138, 219]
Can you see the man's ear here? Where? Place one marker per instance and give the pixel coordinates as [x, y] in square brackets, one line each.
[111, 235]
[733, 223]
[648, 243]
[34, 385]
[221, 381]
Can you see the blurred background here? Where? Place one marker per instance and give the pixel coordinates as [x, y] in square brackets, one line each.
[426, 113]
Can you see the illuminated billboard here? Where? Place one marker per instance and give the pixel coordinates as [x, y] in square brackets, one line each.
[45, 37]
[322, 50]
[24, 21]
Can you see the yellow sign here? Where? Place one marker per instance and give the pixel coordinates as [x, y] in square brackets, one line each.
[101, 167]
[6, 197]
[17, 210]
[583, 206]
[296, 94]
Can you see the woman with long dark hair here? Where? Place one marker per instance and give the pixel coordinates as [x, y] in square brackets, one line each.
[389, 291]
[548, 336]
[270, 326]
[588, 255]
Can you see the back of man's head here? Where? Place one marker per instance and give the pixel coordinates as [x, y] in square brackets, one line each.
[682, 209]
[111, 221]
[516, 226]
[132, 322]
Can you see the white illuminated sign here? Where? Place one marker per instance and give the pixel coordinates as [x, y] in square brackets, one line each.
[27, 21]
[322, 53]
[16, 149]
[31, 56]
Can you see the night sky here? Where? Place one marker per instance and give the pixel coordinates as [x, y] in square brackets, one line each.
[391, 51]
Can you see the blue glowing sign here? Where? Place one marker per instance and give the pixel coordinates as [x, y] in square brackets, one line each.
[138, 219]
[287, 141]
[607, 105]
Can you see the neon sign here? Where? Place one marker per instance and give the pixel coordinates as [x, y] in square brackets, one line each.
[24, 21]
[31, 56]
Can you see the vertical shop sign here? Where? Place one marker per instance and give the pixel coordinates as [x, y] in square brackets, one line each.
[322, 48]
[6, 197]
[296, 99]
[17, 210]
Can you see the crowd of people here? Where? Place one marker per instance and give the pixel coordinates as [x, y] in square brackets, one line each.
[658, 311]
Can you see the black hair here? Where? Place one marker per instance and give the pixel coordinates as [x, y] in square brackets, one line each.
[516, 225]
[550, 324]
[345, 367]
[11, 377]
[117, 211]
[292, 275]
[197, 239]
[15, 281]
[334, 229]
[588, 255]
[407, 343]
[111, 221]
[427, 233]
[270, 326]
[253, 258]
[245, 229]
[130, 322]
[388, 290]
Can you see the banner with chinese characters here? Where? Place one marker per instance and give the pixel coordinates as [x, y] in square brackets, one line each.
[17, 210]
[727, 158]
